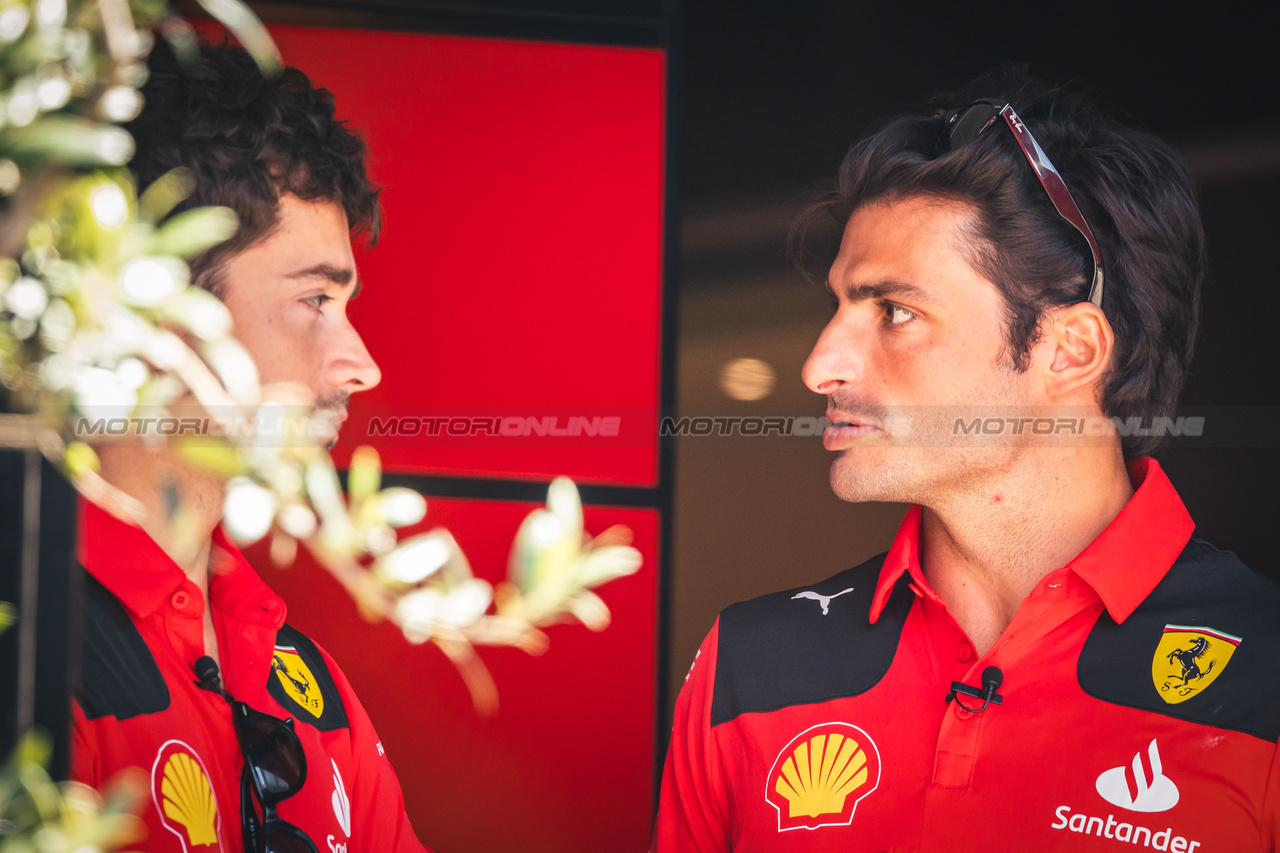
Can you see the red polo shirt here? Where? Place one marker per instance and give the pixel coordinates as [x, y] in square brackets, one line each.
[137, 703]
[1140, 711]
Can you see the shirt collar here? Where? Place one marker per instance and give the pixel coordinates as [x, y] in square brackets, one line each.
[1128, 558]
[1122, 565]
[903, 557]
[137, 571]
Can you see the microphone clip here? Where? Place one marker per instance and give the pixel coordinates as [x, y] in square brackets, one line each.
[208, 677]
[992, 678]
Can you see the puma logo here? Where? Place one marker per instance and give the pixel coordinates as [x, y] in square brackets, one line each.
[824, 600]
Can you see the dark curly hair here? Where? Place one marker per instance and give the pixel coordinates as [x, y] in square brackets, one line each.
[1133, 189]
[246, 140]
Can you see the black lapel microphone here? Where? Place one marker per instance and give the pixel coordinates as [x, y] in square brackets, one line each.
[992, 678]
[207, 675]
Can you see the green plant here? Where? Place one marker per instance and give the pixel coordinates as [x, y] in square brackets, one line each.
[39, 816]
[98, 320]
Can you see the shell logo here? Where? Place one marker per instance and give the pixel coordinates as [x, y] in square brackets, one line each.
[184, 797]
[819, 778]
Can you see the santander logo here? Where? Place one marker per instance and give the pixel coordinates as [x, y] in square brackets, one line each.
[1137, 788]
[1154, 792]
[341, 805]
[341, 810]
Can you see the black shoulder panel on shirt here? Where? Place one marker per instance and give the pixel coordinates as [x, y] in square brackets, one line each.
[807, 645]
[300, 681]
[1203, 647]
[119, 677]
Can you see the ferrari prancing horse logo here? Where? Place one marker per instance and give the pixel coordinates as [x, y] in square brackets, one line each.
[298, 681]
[1188, 659]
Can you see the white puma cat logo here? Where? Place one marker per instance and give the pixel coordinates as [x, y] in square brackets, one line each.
[824, 600]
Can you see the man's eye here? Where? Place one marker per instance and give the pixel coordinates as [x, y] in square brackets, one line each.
[317, 300]
[897, 315]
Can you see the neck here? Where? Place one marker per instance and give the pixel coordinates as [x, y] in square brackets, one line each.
[183, 504]
[984, 548]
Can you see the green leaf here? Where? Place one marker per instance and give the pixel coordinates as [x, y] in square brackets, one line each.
[238, 18]
[590, 610]
[165, 193]
[181, 37]
[193, 231]
[72, 140]
[34, 748]
[80, 458]
[219, 458]
[364, 476]
[606, 563]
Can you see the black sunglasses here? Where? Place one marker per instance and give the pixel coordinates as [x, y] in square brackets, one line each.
[275, 768]
[965, 124]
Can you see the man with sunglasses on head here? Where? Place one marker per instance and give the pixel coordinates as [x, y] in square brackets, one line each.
[250, 736]
[1045, 659]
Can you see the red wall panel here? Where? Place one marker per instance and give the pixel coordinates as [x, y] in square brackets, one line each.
[518, 275]
[519, 271]
[566, 765]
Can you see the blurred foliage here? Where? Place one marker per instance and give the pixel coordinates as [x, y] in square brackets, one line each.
[99, 324]
[39, 816]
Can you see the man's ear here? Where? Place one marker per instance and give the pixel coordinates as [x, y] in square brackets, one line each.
[1077, 349]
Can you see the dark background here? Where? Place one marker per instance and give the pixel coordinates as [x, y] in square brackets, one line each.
[768, 97]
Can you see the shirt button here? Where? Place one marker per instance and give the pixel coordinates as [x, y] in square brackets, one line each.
[961, 713]
[179, 600]
[964, 653]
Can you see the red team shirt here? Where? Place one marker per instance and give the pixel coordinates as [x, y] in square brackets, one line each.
[137, 704]
[1140, 710]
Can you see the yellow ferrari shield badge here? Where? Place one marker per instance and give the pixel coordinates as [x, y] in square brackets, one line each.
[298, 682]
[1188, 659]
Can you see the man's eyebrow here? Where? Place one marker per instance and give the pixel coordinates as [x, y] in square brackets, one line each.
[338, 275]
[883, 289]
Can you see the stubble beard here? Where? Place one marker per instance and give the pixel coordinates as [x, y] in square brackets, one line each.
[929, 461]
[861, 475]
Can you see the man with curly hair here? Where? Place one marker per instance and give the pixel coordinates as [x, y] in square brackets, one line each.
[1045, 659]
[251, 736]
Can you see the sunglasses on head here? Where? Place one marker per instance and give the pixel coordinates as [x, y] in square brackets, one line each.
[967, 123]
[275, 768]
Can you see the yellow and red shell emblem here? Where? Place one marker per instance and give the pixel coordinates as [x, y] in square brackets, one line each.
[184, 797]
[819, 778]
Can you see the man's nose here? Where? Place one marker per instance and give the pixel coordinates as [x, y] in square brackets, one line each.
[832, 362]
[351, 367]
